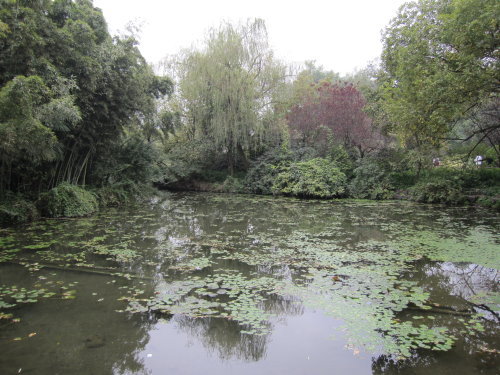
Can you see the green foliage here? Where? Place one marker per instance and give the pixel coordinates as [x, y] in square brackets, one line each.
[185, 159]
[481, 177]
[263, 171]
[112, 195]
[451, 185]
[67, 200]
[14, 209]
[233, 185]
[130, 160]
[466, 178]
[123, 192]
[339, 155]
[440, 59]
[68, 92]
[226, 90]
[22, 133]
[489, 202]
[315, 178]
[371, 180]
[440, 191]
[260, 177]
[213, 176]
[403, 180]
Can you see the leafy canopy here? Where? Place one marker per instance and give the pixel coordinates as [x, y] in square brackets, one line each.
[440, 59]
[229, 87]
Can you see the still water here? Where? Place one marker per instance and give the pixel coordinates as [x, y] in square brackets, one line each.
[195, 283]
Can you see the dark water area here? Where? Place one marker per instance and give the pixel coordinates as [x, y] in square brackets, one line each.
[193, 283]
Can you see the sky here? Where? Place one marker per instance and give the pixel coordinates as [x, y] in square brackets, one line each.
[340, 35]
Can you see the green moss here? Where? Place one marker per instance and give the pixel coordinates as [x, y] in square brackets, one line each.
[67, 200]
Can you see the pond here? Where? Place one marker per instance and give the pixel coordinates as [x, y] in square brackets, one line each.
[193, 283]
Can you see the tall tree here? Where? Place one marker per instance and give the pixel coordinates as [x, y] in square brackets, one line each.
[229, 88]
[93, 86]
[441, 59]
[335, 110]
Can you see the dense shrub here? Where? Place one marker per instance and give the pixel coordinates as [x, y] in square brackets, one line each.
[130, 160]
[315, 178]
[440, 191]
[260, 178]
[342, 159]
[371, 181]
[489, 202]
[300, 154]
[213, 176]
[403, 180]
[481, 177]
[233, 185]
[187, 159]
[112, 195]
[14, 209]
[122, 193]
[67, 200]
[263, 172]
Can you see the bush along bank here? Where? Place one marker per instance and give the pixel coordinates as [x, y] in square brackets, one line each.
[15, 209]
[67, 200]
[373, 178]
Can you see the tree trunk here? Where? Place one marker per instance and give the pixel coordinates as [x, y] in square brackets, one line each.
[230, 163]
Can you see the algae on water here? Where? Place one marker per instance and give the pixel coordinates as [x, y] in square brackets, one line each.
[378, 267]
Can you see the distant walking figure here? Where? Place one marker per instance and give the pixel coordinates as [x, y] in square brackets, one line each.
[436, 162]
[478, 160]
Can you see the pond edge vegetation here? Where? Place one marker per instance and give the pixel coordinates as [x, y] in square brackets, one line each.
[85, 121]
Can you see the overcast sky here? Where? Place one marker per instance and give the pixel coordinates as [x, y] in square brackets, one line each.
[341, 35]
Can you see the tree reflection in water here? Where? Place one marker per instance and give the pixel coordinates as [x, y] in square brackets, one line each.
[343, 258]
[453, 286]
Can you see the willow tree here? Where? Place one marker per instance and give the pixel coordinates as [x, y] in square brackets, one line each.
[229, 89]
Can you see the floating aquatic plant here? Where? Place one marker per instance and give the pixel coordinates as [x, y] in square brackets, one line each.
[233, 258]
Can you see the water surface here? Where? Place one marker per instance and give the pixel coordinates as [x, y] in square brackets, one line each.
[224, 284]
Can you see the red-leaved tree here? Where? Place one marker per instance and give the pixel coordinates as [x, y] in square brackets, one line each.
[335, 112]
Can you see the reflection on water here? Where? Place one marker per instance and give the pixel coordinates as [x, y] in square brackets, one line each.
[193, 283]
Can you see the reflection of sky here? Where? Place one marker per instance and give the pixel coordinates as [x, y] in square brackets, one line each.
[190, 228]
[301, 345]
[465, 280]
